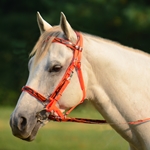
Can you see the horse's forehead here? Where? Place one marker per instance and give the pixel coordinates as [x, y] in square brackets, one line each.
[57, 49]
[59, 53]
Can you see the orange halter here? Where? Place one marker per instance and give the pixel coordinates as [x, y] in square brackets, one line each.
[57, 93]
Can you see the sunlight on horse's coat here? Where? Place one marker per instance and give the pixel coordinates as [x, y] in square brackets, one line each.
[116, 80]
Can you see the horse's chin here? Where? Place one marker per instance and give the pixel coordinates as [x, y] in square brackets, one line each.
[30, 136]
[33, 133]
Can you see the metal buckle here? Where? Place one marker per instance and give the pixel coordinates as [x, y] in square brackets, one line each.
[78, 48]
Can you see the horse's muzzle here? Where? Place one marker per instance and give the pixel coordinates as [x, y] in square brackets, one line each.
[22, 130]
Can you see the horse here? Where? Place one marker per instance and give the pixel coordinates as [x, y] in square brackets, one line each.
[114, 77]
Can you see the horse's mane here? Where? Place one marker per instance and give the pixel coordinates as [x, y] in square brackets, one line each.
[100, 39]
[44, 42]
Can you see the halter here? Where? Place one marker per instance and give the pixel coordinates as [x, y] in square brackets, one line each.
[57, 93]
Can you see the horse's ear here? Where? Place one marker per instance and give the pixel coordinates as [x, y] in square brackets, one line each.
[43, 25]
[67, 29]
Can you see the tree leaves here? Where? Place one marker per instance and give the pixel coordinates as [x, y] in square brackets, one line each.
[124, 21]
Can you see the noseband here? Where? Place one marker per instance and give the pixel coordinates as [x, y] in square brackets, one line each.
[57, 93]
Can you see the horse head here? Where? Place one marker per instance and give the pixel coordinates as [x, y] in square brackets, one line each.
[47, 66]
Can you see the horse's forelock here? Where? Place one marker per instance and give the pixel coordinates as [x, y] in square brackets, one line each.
[44, 42]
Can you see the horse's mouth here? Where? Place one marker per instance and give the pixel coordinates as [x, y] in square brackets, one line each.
[24, 134]
[27, 129]
[42, 119]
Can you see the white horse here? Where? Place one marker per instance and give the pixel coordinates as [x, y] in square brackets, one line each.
[116, 79]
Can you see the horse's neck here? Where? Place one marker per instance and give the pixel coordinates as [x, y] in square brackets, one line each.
[114, 76]
[118, 83]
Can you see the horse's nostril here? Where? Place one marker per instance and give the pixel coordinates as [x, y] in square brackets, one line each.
[22, 123]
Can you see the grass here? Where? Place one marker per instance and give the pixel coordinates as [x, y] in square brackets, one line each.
[63, 136]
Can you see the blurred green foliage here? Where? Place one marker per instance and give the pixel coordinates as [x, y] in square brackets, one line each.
[125, 21]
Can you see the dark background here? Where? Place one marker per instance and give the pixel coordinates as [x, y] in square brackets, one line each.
[125, 21]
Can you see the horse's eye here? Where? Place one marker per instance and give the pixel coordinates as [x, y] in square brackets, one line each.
[55, 68]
